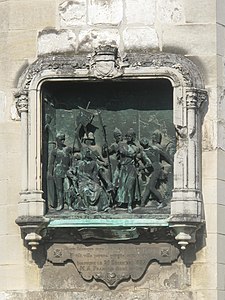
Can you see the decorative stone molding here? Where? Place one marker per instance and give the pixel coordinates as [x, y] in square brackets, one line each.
[22, 103]
[105, 63]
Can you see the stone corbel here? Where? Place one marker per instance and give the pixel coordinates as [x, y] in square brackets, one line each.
[33, 230]
[184, 234]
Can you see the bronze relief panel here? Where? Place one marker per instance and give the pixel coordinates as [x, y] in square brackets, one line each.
[108, 147]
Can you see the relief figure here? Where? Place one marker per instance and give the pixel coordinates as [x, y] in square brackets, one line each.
[94, 176]
[88, 183]
[128, 190]
[155, 173]
[113, 150]
[60, 160]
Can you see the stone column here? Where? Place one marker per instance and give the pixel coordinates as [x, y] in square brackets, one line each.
[22, 106]
[191, 101]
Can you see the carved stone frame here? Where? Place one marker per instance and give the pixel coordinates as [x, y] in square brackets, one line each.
[188, 97]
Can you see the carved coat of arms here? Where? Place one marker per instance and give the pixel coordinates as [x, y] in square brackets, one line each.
[105, 63]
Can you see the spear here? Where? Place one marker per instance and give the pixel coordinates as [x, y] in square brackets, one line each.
[106, 143]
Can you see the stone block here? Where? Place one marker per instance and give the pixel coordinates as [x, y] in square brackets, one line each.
[4, 19]
[4, 165]
[3, 72]
[185, 39]
[221, 170]
[207, 65]
[4, 191]
[90, 39]
[220, 192]
[170, 11]
[141, 294]
[209, 189]
[220, 37]
[105, 12]
[221, 132]
[10, 142]
[207, 249]
[210, 216]
[65, 295]
[220, 248]
[53, 41]
[12, 278]
[32, 15]
[220, 295]
[209, 171]
[4, 220]
[220, 11]
[207, 294]
[194, 12]
[201, 254]
[175, 295]
[209, 135]
[210, 252]
[212, 109]
[13, 167]
[13, 196]
[3, 48]
[2, 106]
[140, 12]
[10, 137]
[220, 70]
[16, 69]
[221, 277]
[11, 249]
[32, 273]
[140, 38]
[11, 215]
[21, 44]
[72, 13]
[200, 282]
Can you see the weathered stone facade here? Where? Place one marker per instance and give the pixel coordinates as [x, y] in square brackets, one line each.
[39, 29]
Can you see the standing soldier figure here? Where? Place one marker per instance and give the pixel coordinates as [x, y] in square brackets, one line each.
[60, 160]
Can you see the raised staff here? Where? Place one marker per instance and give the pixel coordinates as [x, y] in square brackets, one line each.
[106, 146]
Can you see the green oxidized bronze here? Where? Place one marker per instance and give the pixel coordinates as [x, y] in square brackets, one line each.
[107, 160]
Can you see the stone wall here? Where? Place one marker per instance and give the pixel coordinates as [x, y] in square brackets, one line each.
[188, 27]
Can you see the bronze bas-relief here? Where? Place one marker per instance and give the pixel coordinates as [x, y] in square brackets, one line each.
[107, 171]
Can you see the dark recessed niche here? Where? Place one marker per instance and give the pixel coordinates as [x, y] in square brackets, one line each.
[144, 105]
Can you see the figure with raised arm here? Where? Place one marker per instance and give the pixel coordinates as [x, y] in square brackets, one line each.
[155, 153]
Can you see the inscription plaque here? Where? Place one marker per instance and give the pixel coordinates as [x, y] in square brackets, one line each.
[112, 263]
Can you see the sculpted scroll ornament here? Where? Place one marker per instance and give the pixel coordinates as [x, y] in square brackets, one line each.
[112, 263]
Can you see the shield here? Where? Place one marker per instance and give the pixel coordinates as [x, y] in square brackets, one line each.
[104, 68]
